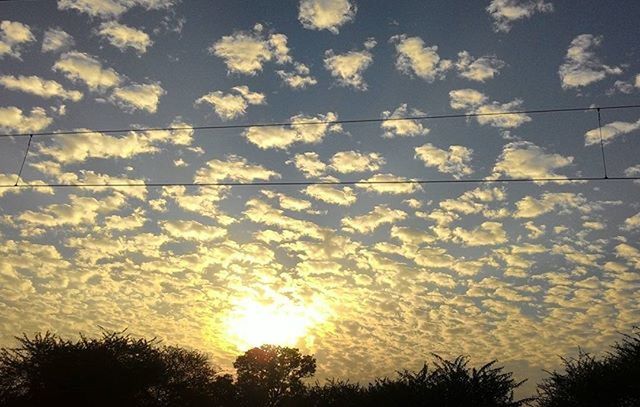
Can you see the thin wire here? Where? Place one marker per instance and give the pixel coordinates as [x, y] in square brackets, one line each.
[604, 160]
[24, 159]
[320, 122]
[309, 183]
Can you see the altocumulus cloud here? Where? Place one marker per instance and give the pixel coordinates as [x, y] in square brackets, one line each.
[325, 14]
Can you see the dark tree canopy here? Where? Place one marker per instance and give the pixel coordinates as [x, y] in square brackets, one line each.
[269, 374]
[114, 370]
[611, 381]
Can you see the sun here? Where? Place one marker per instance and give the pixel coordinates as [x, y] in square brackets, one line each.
[252, 323]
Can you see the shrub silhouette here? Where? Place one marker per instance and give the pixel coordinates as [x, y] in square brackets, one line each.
[612, 381]
[268, 375]
[114, 370]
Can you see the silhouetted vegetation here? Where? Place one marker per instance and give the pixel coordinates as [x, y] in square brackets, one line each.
[611, 381]
[118, 370]
[268, 375]
[114, 370]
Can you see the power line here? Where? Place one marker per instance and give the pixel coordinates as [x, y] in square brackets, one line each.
[322, 122]
[328, 183]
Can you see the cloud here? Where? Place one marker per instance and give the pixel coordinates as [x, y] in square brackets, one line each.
[367, 223]
[246, 52]
[78, 66]
[309, 163]
[349, 67]
[478, 69]
[13, 34]
[122, 36]
[259, 211]
[530, 207]
[192, 230]
[282, 137]
[138, 97]
[228, 106]
[455, 161]
[524, 159]
[79, 147]
[389, 184]
[581, 66]
[56, 40]
[475, 102]
[13, 119]
[335, 195]
[39, 87]
[289, 202]
[325, 14]
[414, 58]
[79, 211]
[299, 78]
[488, 233]
[355, 161]
[112, 8]
[632, 223]
[402, 128]
[506, 12]
[610, 131]
[234, 168]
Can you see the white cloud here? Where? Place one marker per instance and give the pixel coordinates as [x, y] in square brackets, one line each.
[80, 147]
[39, 87]
[299, 78]
[475, 102]
[228, 106]
[505, 12]
[325, 14]
[13, 119]
[282, 137]
[138, 97]
[355, 161]
[246, 52]
[455, 161]
[112, 8]
[348, 68]
[367, 223]
[56, 40]
[309, 163]
[78, 66]
[524, 159]
[402, 128]
[343, 196]
[466, 98]
[610, 131]
[414, 58]
[530, 207]
[488, 233]
[388, 184]
[13, 34]
[192, 230]
[632, 223]
[478, 69]
[234, 168]
[122, 36]
[581, 66]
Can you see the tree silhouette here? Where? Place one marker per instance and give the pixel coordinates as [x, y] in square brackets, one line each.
[268, 375]
[612, 381]
[450, 383]
[114, 370]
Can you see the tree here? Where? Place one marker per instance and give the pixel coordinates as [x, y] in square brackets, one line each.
[113, 370]
[450, 383]
[269, 374]
[610, 381]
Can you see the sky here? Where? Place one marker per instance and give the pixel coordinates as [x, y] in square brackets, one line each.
[370, 278]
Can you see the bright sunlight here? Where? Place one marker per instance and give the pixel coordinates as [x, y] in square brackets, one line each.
[278, 322]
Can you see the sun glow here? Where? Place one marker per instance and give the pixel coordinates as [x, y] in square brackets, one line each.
[278, 322]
